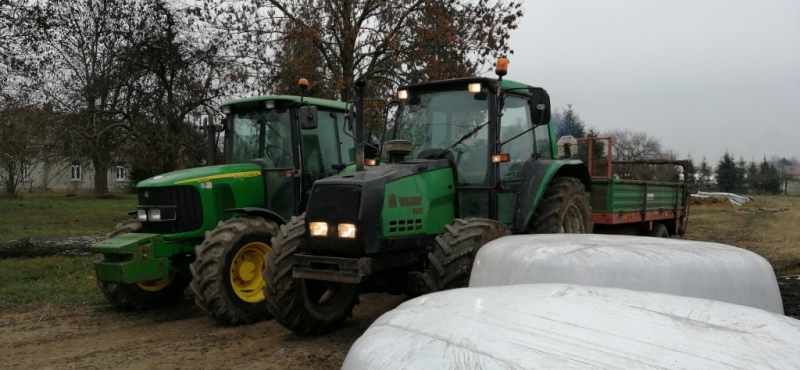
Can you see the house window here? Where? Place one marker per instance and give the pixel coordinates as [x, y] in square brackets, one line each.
[77, 173]
[28, 171]
[120, 174]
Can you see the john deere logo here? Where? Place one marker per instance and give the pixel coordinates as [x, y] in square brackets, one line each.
[146, 194]
[392, 201]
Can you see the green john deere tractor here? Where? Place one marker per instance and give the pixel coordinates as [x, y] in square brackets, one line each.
[471, 160]
[213, 225]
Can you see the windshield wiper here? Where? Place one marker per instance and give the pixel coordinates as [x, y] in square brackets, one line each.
[461, 139]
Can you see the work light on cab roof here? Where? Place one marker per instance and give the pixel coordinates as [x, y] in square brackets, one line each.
[501, 67]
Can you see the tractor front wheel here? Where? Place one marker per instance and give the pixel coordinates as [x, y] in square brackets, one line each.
[563, 208]
[227, 271]
[146, 294]
[301, 305]
[450, 263]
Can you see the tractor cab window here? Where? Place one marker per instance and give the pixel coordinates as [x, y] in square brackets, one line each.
[260, 134]
[543, 147]
[516, 133]
[321, 148]
[434, 121]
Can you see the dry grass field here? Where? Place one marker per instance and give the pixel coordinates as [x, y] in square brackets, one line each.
[769, 226]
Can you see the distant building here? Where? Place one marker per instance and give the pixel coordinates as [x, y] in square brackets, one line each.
[69, 177]
[792, 171]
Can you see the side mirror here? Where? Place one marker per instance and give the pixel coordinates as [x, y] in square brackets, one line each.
[540, 106]
[308, 117]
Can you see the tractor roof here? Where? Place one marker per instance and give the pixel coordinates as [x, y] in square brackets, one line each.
[325, 103]
[490, 82]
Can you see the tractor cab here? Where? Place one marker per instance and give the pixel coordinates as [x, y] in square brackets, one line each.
[487, 129]
[294, 141]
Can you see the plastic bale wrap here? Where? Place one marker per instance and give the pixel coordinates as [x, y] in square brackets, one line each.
[558, 326]
[673, 266]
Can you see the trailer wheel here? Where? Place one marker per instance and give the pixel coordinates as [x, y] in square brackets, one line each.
[563, 209]
[227, 271]
[301, 305]
[454, 252]
[146, 294]
[659, 230]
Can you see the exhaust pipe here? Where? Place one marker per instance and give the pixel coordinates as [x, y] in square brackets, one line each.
[359, 129]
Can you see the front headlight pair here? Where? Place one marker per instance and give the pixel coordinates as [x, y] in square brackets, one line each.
[155, 214]
[318, 228]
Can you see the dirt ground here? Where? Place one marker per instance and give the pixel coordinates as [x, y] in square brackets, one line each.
[182, 337]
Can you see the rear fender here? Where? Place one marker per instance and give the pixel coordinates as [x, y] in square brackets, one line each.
[536, 176]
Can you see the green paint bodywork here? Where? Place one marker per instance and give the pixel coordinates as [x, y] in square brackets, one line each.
[137, 261]
[624, 196]
[232, 186]
[421, 204]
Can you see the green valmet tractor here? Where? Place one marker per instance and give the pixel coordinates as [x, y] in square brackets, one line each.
[212, 226]
[470, 160]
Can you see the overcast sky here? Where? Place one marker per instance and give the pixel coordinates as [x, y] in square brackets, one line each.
[702, 76]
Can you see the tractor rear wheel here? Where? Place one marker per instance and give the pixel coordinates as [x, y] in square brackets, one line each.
[455, 250]
[146, 294]
[227, 271]
[659, 231]
[301, 305]
[563, 209]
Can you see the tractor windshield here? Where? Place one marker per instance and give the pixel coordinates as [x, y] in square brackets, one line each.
[438, 120]
[261, 134]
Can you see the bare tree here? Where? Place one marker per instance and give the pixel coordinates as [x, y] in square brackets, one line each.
[631, 145]
[75, 61]
[181, 74]
[24, 142]
[388, 42]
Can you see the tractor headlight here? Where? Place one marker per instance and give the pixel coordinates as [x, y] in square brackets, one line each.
[157, 214]
[347, 231]
[154, 214]
[318, 228]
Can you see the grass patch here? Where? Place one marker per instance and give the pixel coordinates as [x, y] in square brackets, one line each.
[55, 215]
[58, 281]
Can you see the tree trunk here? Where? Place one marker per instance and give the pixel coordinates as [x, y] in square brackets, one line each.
[100, 177]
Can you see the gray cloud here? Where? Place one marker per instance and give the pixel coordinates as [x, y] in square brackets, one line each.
[702, 76]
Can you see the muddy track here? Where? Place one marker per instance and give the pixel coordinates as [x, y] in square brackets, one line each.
[29, 248]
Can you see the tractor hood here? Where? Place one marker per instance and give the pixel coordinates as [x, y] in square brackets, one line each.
[385, 192]
[203, 174]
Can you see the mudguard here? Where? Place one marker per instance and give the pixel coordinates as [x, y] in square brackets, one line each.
[260, 212]
[536, 175]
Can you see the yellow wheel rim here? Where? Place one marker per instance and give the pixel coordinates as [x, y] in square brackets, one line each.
[246, 272]
[156, 285]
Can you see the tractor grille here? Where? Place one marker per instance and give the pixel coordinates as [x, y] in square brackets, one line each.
[405, 226]
[188, 208]
[334, 203]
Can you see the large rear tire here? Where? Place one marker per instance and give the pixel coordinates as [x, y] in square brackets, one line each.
[146, 294]
[227, 271]
[563, 209]
[301, 305]
[455, 251]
